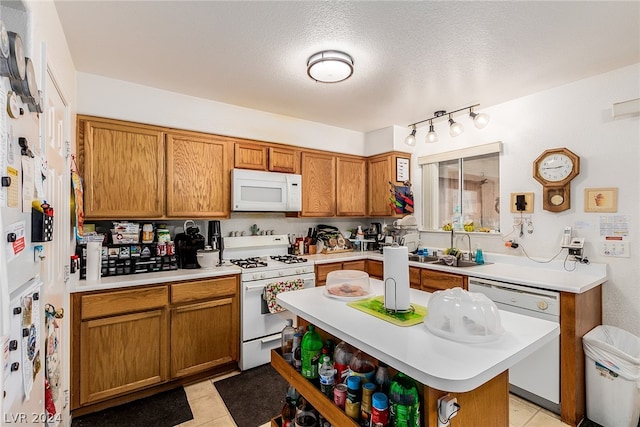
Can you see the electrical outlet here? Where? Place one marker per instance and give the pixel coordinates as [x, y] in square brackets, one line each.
[516, 199]
[447, 408]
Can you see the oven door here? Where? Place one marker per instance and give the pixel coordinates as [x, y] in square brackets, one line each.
[257, 322]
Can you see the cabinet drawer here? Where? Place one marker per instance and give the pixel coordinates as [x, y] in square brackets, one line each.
[355, 265]
[119, 302]
[204, 289]
[437, 280]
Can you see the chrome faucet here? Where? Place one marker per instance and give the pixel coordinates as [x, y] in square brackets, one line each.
[471, 256]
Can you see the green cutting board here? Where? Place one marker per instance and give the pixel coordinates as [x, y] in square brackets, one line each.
[375, 307]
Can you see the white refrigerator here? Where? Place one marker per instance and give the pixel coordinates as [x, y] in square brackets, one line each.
[34, 258]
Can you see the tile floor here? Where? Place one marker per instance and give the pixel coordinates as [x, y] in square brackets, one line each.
[210, 411]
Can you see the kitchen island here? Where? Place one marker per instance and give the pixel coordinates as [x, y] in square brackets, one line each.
[476, 374]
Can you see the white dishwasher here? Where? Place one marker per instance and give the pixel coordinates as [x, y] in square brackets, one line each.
[536, 378]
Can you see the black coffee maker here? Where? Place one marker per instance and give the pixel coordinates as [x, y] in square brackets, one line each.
[215, 239]
[187, 245]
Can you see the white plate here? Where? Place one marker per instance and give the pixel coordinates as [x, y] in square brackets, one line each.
[341, 298]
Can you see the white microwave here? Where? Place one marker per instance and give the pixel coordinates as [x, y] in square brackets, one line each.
[259, 191]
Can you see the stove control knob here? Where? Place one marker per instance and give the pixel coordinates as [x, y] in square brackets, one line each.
[256, 276]
[542, 305]
[263, 276]
[281, 273]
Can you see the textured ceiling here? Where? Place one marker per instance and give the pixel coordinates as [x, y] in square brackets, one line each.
[411, 58]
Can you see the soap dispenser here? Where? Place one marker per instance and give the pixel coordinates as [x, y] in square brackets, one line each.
[360, 233]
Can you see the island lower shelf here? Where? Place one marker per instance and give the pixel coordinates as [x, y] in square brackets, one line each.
[313, 395]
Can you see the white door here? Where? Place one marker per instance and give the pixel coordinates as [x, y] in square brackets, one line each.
[54, 268]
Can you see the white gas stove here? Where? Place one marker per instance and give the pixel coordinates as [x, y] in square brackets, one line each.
[264, 261]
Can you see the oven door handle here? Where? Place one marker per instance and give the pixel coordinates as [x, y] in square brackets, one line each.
[270, 338]
[254, 287]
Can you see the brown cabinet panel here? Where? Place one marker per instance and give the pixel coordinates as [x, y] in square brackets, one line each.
[360, 265]
[125, 301]
[197, 175]
[432, 280]
[351, 184]
[203, 336]
[382, 170]
[284, 160]
[318, 185]
[250, 156]
[124, 167]
[375, 269]
[414, 277]
[323, 269]
[120, 354]
[204, 289]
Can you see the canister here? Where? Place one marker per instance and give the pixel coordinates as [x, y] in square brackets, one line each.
[147, 233]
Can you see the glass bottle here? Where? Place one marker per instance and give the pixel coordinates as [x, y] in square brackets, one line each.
[286, 341]
[288, 413]
[404, 402]
[311, 348]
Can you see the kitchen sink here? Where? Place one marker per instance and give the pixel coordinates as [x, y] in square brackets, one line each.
[422, 258]
[461, 263]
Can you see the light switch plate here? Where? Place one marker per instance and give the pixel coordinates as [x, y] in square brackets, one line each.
[528, 199]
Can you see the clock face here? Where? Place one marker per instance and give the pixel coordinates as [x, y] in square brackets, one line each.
[555, 167]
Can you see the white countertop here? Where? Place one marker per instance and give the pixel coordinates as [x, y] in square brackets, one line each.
[114, 282]
[511, 269]
[436, 362]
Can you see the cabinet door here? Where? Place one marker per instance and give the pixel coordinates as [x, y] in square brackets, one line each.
[351, 184]
[203, 336]
[432, 280]
[318, 185]
[414, 277]
[375, 269]
[323, 269]
[121, 354]
[378, 186]
[123, 167]
[284, 160]
[198, 176]
[250, 156]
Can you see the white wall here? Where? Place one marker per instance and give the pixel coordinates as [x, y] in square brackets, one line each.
[104, 97]
[577, 116]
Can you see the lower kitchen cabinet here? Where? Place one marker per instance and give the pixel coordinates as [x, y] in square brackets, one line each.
[322, 270]
[376, 270]
[203, 331]
[145, 339]
[432, 280]
[123, 342]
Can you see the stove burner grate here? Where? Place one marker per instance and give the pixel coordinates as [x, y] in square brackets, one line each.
[288, 259]
[249, 263]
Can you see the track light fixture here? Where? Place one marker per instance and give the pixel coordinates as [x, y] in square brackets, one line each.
[410, 140]
[480, 120]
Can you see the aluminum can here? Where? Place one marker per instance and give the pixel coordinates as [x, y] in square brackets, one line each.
[171, 248]
[162, 249]
[340, 395]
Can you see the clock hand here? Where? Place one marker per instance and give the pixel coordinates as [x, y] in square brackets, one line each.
[553, 167]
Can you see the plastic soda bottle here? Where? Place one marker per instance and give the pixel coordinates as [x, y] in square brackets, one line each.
[404, 402]
[327, 376]
[310, 349]
[341, 359]
[288, 413]
[286, 343]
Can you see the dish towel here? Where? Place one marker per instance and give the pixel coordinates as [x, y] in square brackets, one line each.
[273, 289]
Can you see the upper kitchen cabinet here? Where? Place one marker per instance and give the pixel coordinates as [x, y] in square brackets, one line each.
[198, 167]
[385, 168]
[318, 184]
[123, 166]
[351, 186]
[266, 157]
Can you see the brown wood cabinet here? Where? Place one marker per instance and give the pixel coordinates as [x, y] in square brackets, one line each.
[318, 184]
[198, 167]
[142, 340]
[381, 171]
[322, 270]
[351, 186]
[123, 166]
[375, 269]
[432, 280]
[203, 331]
[266, 157]
[123, 343]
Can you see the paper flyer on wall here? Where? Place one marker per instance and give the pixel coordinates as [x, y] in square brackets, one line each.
[31, 360]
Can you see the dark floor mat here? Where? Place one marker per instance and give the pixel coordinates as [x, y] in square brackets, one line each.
[166, 409]
[253, 397]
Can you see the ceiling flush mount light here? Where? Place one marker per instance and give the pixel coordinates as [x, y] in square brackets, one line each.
[480, 120]
[330, 66]
[410, 140]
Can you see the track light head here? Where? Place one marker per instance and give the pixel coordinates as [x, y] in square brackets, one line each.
[455, 129]
[479, 120]
[410, 140]
[432, 136]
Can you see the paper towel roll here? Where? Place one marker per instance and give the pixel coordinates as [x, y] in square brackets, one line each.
[94, 260]
[396, 277]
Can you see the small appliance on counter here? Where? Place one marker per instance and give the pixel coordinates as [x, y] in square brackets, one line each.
[187, 245]
[215, 239]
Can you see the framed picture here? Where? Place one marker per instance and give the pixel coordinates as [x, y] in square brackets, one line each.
[601, 199]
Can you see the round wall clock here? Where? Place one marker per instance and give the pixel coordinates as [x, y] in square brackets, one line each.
[554, 169]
